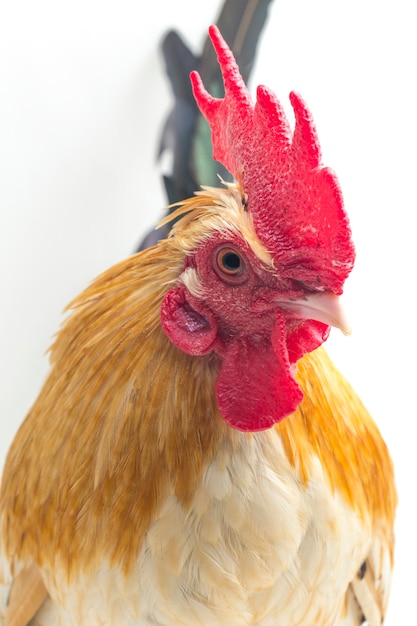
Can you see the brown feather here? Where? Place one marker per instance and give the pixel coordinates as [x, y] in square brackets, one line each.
[102, 428]
[27, 594]
[330, 423]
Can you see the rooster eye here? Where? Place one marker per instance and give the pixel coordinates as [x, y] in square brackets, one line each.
[229, 262]
[230, 265]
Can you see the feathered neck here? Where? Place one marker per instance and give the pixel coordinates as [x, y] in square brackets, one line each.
[123, 420]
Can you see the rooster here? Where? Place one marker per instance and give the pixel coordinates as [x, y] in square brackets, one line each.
[194, 457]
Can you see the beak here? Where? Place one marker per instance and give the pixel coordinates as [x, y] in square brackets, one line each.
[323, 307]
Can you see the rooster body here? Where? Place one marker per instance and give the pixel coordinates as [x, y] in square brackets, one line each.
[145, 487]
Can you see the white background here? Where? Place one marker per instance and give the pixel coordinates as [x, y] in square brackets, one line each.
[83, 96]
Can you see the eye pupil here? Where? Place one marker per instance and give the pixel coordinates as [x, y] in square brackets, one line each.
[231, 262]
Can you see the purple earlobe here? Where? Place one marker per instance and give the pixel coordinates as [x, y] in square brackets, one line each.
[192, 331]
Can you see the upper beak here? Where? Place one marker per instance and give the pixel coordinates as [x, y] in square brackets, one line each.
[323, 307]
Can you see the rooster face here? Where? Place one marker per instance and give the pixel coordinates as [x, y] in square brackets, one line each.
[259, 319]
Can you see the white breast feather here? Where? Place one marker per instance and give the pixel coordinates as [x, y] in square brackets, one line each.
[255, 548]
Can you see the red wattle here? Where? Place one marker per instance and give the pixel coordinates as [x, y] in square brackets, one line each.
[256, 387]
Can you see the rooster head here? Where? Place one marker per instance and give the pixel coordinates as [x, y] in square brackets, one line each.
[261, 281]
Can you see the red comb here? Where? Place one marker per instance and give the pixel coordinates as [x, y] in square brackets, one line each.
[296, 203]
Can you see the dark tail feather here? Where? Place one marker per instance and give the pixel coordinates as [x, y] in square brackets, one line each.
[185, 137]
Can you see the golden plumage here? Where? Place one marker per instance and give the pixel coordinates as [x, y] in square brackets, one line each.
[127, 423]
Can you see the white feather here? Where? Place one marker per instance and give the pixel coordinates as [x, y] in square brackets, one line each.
[254, 548]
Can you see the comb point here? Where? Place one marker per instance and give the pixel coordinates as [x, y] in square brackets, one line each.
[207, 103]
[305, 141]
